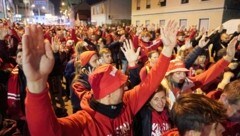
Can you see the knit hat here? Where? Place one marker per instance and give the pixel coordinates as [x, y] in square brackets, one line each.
[105, 80]
[85, 57]
[176, 66]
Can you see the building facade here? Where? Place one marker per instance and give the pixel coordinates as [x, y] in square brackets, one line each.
[204, 13]
[111, 12]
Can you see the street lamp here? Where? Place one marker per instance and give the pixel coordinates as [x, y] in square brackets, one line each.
[63, 4]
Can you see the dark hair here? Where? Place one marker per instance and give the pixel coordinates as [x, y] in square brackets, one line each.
[194, 111]
[19, 50]
[160, 88]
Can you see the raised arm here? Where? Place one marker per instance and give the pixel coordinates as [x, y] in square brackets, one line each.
[138, 96]
[38, 59]
[214, 71]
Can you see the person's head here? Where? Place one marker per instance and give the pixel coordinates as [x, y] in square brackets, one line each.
[225, 38]
[158, 99]
[183, 52]
[152, 57]
[80, 47]
[231, 100]
[201, 59]
[181, 36]
[59, 33]
[13, 42]
[89, 59]
[101, 42]
[177, 71]
[145, 36]
[198, 115]
[19, 57]
[105, 56]
[107, 84]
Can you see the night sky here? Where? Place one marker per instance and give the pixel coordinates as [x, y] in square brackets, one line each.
[56, 4]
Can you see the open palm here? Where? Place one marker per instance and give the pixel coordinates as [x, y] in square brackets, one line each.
[38, 57]
[169, 34]
[129, 52]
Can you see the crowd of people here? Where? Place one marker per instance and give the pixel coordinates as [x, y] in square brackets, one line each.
[121, 80]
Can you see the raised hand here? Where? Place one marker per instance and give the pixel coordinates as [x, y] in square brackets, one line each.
[188, 43]
[169, 37]
[231, 49]
[55, 44]
[38, 58]
[169, 34]
[203, 42]
[130, 53]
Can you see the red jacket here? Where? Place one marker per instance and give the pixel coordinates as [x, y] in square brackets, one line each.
[14, 110]
[43, 122]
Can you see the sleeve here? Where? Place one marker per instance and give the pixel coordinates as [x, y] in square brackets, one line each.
[135, 41]
[79, 89]
[134, 76]
[43, 122]
[191, 57]
[210, 74]
[138, 96]
[73, 35]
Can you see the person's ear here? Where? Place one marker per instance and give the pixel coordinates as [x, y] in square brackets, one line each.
[223, 98]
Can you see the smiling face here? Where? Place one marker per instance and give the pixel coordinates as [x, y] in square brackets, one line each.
[158, 101]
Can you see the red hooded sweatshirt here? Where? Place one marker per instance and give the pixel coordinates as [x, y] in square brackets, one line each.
[42, 121]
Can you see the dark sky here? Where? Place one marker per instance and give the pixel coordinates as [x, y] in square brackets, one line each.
[56, 4]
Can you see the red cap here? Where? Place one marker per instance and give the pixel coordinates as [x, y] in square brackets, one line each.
[85, 57]
[176, 66]
[105, 80]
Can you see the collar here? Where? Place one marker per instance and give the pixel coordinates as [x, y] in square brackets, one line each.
[111, 111]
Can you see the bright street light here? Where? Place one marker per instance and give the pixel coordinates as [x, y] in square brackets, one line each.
[63, 3]
[33, 6]
[43, 7]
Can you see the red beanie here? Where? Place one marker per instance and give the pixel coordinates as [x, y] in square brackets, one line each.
[176, 66]
[85, 57]
[105, 80]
